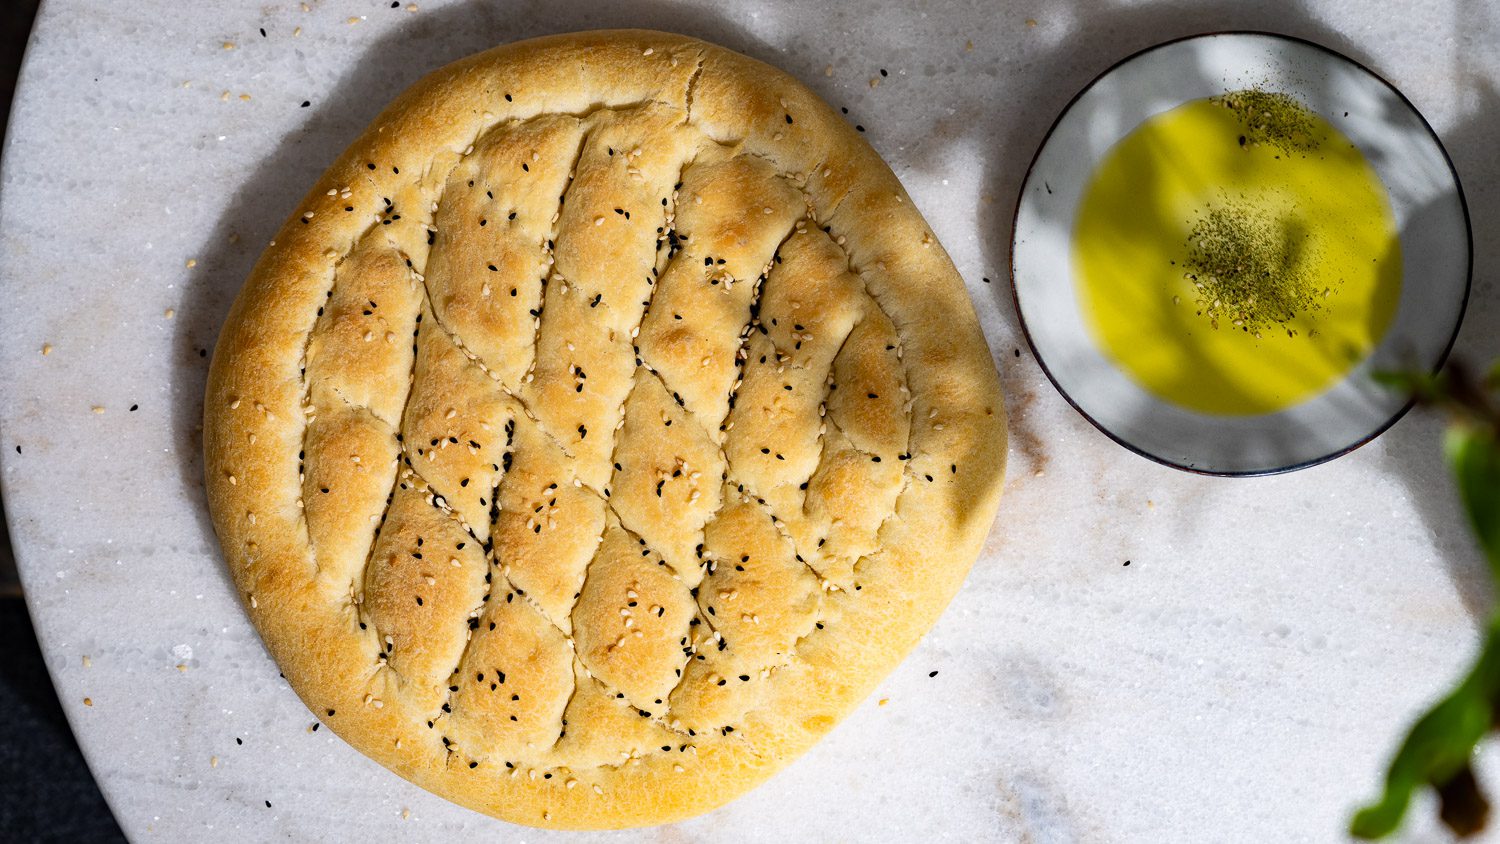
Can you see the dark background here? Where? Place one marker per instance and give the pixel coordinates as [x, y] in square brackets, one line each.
[46, 791]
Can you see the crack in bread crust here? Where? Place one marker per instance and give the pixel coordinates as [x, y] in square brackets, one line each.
[698, 386]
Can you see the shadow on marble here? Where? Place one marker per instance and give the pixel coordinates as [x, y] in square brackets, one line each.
[1413, 448]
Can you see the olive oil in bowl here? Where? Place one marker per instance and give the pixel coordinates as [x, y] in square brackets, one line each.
[1236, 255]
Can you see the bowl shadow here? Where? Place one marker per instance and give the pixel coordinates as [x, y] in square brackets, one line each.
[1410, 450]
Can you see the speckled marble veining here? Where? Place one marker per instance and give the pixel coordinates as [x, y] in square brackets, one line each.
[1244, 678]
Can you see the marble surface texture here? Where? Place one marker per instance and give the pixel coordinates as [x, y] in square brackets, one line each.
[1245, 678]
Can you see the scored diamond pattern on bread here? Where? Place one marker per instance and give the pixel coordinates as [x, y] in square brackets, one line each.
[606, 417]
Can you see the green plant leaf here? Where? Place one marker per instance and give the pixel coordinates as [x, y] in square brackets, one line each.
[1438, 748]
[1420, 385]
[1399, 379]
[1474, 456]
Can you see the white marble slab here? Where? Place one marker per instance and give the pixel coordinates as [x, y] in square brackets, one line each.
[1244, 679]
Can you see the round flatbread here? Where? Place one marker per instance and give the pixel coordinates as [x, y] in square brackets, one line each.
[599, 430]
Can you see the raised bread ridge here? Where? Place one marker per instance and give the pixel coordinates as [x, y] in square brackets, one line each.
[599, 430]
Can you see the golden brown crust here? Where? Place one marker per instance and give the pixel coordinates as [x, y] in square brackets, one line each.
[600, 429]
